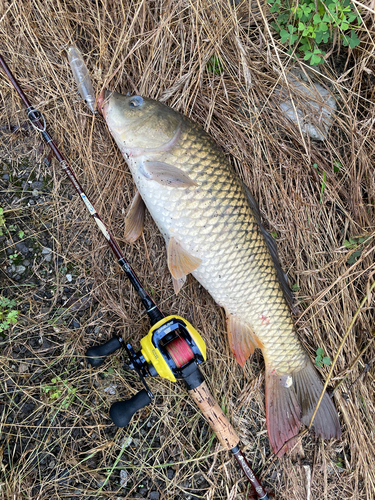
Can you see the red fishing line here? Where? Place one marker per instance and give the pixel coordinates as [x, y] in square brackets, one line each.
[180, 351]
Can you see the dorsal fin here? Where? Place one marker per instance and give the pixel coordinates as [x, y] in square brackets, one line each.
[272, 246]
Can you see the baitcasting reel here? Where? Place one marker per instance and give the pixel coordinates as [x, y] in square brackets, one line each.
[172, 349]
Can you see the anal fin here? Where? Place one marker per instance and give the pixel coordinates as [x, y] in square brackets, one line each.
[180, 262]
[135, 219]
[242, 339]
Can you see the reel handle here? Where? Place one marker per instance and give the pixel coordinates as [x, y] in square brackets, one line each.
[122, 412]
[97, 355]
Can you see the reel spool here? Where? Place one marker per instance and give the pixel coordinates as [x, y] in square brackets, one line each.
[172, 349]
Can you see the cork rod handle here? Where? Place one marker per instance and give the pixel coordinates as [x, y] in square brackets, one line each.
[215, 416]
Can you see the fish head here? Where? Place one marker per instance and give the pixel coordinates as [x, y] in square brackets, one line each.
[139, 124]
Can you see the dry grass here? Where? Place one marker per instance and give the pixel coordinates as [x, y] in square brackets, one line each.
[161, 49]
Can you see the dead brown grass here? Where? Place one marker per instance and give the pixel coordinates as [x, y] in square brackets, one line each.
[161, 49]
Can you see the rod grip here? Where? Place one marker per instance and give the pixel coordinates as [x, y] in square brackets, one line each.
[97, 355]
[122, 412]
[215, 416]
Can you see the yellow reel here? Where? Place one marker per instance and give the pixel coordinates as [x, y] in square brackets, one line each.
[170, 344]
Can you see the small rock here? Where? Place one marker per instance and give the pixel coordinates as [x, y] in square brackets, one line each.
[26, 262]
[170, 473]
[20, 269]
[21, 247]
[111, 389]
[6, 177]
[127, 442]
[75, 324]
[37, 185]
[46, 251]
[316, 118]
[23, 368]
[154, 495]
[69, 277]
[48, 257]
[35, 193]
[123, 478]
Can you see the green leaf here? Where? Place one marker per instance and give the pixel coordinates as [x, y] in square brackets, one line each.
[353, 40]
[295, 287]
[20, 234]
[111, 370]
[317, 19]
[318, 361]
[315, 60]
[284, 36]
[320, 352]
[326, 360]
[344, 26]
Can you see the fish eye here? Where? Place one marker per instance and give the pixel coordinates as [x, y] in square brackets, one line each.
[135, 101]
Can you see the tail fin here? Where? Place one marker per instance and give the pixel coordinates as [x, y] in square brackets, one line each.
[291, 399]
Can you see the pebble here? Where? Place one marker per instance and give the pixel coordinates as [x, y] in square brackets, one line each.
[111, 389]
[46, 251]
[170, 473]
[123, 478]
[6, 177]
[20, 269]
[23, 368]
[35, 193]
[37, 185]
[21, 247]
[69, 277]
[75, 324]
[154, 495]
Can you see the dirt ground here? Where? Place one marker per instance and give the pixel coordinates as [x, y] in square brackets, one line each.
[317, 198]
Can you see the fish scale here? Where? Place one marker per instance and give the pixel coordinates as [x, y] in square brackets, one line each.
[195, 197]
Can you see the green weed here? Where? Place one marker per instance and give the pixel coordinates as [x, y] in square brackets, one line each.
[56, 390]
[214, 65]
[307, 24]
[321, 358]
[355, 243]
[8, 315]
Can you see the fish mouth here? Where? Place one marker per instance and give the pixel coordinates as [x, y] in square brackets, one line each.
[103, 99]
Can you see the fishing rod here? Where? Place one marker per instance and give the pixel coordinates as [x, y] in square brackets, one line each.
[172, 348]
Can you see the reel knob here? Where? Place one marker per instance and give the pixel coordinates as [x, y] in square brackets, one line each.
[97, 355]
[121, 412]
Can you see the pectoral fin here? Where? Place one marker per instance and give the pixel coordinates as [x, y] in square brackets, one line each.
[272, 246]
[180, 262]
[167, 175]
[242, 339]
[134, 219]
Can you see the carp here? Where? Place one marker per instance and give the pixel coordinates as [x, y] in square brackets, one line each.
[212, 229]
